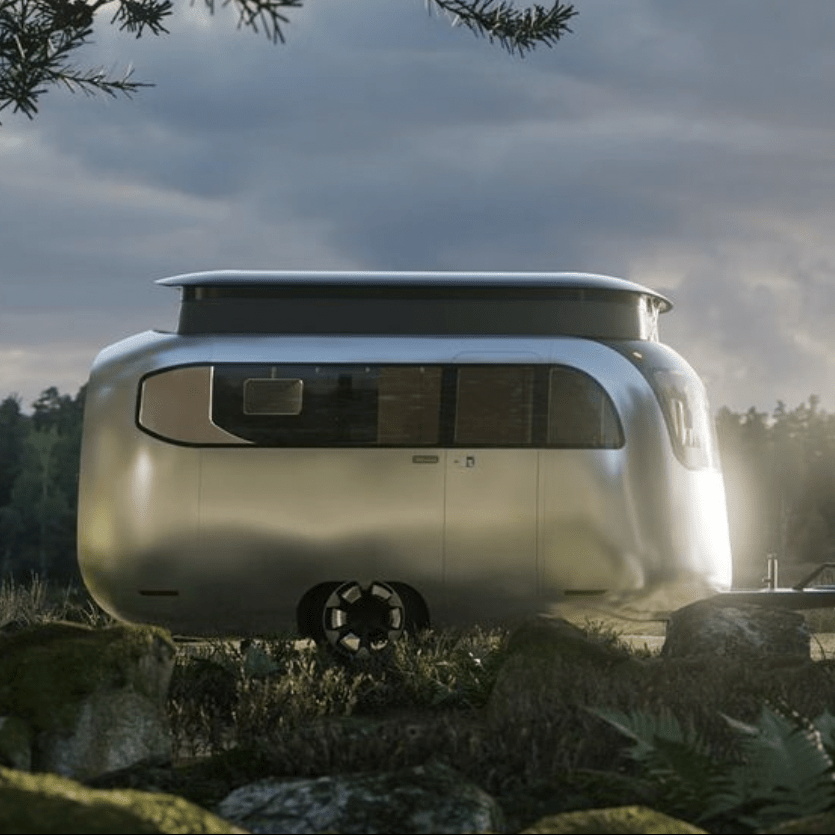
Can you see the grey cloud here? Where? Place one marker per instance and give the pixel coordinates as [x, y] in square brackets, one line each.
[766, 59]
[684, 146]
[756, 341]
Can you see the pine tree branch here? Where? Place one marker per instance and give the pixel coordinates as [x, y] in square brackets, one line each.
[38, 38]
[135, 16]
[267, 13]
[516, 30]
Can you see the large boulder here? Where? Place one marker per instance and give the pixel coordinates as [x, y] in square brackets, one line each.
[32, 803]
[743, 630]
[89, 700]
[542, 659]
[556, 640]
[430, 798]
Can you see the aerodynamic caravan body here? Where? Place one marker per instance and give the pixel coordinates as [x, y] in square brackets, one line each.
[362, 453]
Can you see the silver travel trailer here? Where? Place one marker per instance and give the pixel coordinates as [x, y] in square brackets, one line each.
[357, 454]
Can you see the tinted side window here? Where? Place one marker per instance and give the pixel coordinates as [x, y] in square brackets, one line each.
[328, 405]
[297, 405]
[494, 405]
[409, 405]
[580, 412]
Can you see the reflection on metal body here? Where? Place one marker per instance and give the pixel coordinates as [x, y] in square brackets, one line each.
[469, 476]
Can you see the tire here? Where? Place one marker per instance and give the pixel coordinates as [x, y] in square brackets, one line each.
[363, 620]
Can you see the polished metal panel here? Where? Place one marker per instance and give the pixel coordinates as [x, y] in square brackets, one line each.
[295, 517]
[138, 497]
[210, 538]
[490, 533]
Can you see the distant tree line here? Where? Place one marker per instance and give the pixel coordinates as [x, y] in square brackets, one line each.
[779, 477]
[39, 458]
[780, 485]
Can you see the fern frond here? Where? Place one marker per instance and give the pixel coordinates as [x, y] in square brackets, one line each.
[786, 771]
[646, 730]
[674, 757]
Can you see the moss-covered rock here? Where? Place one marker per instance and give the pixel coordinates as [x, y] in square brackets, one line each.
[15, 743]
[46, 669]
[555, 639]
[625, 820]
[47, 803]
[94, 699]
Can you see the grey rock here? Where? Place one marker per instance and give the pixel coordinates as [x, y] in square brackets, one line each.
[431, 798]
[709, 627]
[112, 730]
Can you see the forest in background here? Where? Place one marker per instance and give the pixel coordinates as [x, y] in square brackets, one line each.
[779, 473]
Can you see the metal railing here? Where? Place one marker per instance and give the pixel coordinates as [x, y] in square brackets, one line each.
[801, 595]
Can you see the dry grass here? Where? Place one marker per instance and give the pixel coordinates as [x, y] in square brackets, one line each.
[24, 604]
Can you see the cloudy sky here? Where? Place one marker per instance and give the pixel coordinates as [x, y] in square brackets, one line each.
[686, 146]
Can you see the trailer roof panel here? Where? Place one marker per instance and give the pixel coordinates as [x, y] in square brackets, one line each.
[357, 278]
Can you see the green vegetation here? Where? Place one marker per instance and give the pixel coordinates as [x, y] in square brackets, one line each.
[701, 740]
[783, 768]
[728, 747]
[223, 693]
[39, 460]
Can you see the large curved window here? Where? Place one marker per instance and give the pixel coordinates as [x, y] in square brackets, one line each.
[356, 405]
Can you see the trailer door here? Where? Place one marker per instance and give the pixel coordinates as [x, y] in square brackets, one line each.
[490, 526]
